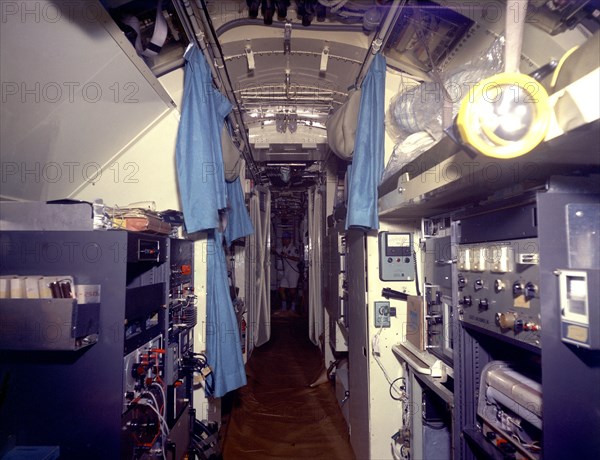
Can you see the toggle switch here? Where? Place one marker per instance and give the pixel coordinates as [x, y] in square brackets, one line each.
[467, 301]
[483, 304]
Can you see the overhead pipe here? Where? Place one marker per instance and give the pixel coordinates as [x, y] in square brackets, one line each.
[235, 117]
[380, 39]
[516, 11]
[191, 25]
[316, 27]
[185, 13]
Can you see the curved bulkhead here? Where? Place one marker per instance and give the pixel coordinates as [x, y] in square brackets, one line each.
[453, 318]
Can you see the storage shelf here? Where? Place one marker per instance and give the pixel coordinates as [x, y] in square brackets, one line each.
[447, 176]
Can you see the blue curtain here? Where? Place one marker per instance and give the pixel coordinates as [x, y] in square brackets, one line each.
[223, 346]
[199, 155]
[238, 223]
[202, 189]
[367, 160]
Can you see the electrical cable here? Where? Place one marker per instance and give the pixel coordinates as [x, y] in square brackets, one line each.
[162, 392]
[416, 273]
[163, 432]
[375, 353]
[560, 64]
[401, 398]
[204, 441]
[196, 363]
[163, 428]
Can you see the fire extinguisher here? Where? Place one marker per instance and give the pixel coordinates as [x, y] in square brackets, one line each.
[243, 334]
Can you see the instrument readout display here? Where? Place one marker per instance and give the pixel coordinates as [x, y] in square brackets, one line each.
[396, 257]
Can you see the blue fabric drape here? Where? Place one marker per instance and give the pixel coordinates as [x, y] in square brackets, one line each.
[223, 347]
[202, 189]
[199, 155]
[239, 223]
[367, 160]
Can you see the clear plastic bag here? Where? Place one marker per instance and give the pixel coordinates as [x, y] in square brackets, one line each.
[420, 108]
[406, 151]
[414, 116]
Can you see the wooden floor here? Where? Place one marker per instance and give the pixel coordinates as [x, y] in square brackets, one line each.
[277, 415]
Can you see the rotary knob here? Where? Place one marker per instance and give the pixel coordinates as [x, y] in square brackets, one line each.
[506, 320]
[517, 289]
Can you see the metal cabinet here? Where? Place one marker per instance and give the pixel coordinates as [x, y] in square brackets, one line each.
[83, 400]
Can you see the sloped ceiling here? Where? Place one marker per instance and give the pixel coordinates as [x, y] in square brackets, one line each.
[71, 98]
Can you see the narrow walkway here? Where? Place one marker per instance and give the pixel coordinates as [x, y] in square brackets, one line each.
[277, 415]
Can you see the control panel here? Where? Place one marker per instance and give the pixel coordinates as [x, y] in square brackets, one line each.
[498, 285]
[183, 316]
[396, 257]
[143, 372]
[439, 275]
[439, 319]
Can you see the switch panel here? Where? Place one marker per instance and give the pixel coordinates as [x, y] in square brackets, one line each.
[382, 314]
[499, 291]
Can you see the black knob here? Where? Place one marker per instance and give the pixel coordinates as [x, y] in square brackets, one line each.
[530, 290]
[462, 282]
[478, 286]
[517, 289]
[466, 301]
[519, 325]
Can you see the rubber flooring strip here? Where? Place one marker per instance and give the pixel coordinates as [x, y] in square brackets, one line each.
[277, 416]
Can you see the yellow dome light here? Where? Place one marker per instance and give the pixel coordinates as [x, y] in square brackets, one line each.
[504, 116]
